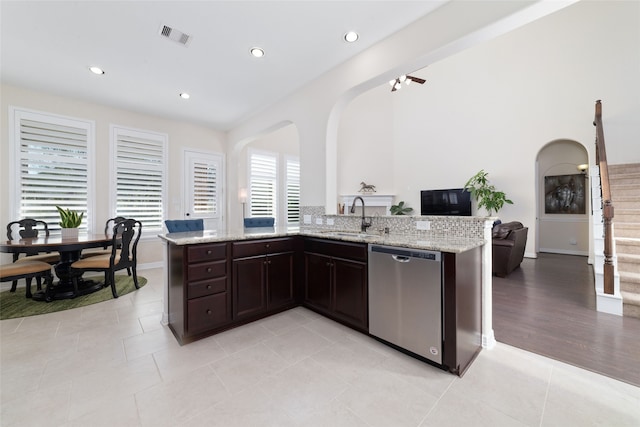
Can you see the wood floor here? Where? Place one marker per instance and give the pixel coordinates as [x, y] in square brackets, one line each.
[547, 306]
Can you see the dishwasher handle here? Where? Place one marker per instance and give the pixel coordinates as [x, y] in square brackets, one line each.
[405, 254]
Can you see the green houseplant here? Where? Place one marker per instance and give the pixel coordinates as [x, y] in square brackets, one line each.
[400, 209]
[69, 221]
[69, 218]
[485, 193]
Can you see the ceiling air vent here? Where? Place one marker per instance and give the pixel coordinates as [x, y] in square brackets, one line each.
[175, 35]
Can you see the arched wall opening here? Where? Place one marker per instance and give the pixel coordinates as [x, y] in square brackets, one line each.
[283, 142]
[563, 199]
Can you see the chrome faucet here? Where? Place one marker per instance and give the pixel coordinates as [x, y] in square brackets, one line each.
[365, 224]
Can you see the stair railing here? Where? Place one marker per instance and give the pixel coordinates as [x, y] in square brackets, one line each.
[607, 205]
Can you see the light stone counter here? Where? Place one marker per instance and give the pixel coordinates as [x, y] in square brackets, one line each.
[209, 236]
[453, 245]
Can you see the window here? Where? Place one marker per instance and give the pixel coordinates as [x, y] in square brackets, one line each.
[274, 191]
[292, 186]
[203, 187]
[51, 161]
[138, 176]
[263, 184]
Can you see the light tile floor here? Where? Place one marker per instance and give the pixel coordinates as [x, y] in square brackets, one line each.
[114, 364]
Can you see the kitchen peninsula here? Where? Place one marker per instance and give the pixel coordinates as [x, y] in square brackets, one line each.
[219, 280]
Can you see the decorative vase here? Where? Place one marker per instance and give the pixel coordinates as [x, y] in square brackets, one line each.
[69, 233]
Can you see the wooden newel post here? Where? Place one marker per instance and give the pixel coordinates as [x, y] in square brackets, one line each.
[608, 250]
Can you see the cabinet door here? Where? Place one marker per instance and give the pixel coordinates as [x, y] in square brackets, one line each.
[249, 287]
[206, 313]
[280, 280]
[350, 299]
[317, 286]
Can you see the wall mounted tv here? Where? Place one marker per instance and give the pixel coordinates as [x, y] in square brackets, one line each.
[454, 201]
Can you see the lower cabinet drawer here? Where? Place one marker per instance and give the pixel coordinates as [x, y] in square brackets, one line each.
[262, 247]
[206, 313]
[207, 252]
[206, 270]
[206, 287]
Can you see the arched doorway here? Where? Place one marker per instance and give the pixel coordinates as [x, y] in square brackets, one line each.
[268, 175]
[563, 201]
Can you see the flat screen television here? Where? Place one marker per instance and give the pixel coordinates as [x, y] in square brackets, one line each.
[453, 201]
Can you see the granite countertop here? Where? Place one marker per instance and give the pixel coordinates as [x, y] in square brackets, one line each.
[209, 236]
[455, 245]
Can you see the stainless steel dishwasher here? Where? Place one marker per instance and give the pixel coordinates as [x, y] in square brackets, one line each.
[405, 299]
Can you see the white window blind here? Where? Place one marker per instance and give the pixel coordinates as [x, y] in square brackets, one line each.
[205, 189]
[292, 184]
[140, 170]
[263, 184]
[52, 165]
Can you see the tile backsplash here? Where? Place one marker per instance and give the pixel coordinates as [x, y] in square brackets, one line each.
[439, 226]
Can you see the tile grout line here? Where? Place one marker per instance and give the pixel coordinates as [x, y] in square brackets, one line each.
[546, 395]
[437, 402]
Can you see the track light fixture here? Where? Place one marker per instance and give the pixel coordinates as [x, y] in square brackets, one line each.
[396, 84]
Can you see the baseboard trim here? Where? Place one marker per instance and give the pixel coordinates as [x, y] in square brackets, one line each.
[488, 340]
[607, 303]
[564, 252]
[150, 265]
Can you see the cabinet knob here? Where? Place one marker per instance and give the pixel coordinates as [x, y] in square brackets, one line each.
[208, 311]
[269, 262]
[208, 269]
[208, 286]
[267, 246]
[209, 252]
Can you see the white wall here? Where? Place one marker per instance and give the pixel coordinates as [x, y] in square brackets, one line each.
[181, 135]
[316, 108]
[366, 144]
[495, 105]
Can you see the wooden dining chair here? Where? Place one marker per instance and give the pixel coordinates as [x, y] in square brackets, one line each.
[108, 227]
[123, 254]
[30, 228]
[26, 270]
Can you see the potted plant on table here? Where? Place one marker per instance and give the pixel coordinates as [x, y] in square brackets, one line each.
[69, 221]
[485, 193]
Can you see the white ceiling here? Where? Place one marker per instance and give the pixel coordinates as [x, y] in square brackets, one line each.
[49, 46]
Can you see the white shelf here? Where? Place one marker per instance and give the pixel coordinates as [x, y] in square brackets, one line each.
[370, 200]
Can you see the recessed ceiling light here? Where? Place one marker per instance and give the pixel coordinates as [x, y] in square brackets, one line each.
[96, 70]
[351, 36]
[185, 95]
[257, 52]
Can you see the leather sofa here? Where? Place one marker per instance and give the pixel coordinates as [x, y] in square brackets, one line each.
[508, 244]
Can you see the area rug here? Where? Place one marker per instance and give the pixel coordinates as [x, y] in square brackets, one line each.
[14, 304]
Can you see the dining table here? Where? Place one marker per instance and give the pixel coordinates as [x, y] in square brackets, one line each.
[70, 250]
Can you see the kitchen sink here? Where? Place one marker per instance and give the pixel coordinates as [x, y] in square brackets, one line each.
[355, 234]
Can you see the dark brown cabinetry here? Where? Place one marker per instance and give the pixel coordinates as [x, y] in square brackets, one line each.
[217, 286]
[199, 289]
[336, 280]
[263, 276]
[462, 314]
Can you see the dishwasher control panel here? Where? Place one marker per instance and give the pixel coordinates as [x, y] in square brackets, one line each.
[411, 253]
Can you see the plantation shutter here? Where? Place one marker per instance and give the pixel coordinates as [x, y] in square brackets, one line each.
[140, 177]
[293, 191]
[53, 159]
[263, 184]
[205, 188]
